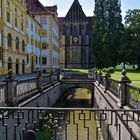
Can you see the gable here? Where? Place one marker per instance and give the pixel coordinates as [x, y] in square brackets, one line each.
[75, 13]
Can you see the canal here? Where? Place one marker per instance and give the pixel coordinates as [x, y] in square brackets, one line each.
[72, 125]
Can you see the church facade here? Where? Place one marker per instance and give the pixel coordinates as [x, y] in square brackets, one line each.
[75, 38]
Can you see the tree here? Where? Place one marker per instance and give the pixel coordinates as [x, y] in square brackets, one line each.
[107, 31]
[132, 23]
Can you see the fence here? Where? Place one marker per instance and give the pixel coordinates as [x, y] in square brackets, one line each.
[68, 124]
[129, 95]
[12, 91]
[133, 96]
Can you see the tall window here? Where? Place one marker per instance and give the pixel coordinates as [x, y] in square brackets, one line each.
[9, 63]
[44, 60]
[16, 22]
[23, 45]
[17, 43]
[27, 58]
[9, 40]
[36, 60]
[8, 17]
[44, 45]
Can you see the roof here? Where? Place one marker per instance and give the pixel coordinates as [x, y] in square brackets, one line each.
[34, 6]
[51, 8]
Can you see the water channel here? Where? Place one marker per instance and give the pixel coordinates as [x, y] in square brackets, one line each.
[75, 125]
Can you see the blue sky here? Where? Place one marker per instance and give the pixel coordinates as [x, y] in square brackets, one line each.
[88, 5]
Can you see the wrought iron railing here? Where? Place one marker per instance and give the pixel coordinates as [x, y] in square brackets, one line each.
[24, 87]
[113, 86]
[133, 94]
[69, 124]
[2, 94]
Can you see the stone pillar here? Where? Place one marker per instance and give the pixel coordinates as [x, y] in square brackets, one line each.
[11, 89]
[99, 77]
[95, 74]
[39, 80]
[106, 80]
[124, 95]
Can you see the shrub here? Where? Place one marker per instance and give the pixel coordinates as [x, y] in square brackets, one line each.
[111, 69]
[94, 69]
[104, 70]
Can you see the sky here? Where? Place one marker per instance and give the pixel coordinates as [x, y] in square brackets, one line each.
[88, 6]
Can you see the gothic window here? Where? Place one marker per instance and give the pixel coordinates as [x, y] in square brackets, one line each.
[9, 40]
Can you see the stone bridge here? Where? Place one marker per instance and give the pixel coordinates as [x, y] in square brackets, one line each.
[33, 112]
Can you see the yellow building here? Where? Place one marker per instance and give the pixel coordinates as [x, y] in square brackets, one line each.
[14, 41]
[28, 39]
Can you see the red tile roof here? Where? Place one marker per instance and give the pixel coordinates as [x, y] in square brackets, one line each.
[34, 6]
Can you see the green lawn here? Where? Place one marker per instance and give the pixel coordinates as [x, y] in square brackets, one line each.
[81, 70]
[134, 76]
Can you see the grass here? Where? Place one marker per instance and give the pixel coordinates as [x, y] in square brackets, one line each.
[80, 70]
[134, 76]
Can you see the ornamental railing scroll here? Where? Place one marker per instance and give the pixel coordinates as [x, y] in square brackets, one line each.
[69, 123]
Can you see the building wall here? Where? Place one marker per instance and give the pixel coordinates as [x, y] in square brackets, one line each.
[49, 35]
[15, 21]
[33, 44]
[16, 27]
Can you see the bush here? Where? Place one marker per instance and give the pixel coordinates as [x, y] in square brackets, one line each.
[111, 69]
[94, 69]
[104, 70]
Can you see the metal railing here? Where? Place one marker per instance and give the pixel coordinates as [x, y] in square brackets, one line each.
[69, 124]
[133, 96]
[2, 94]
[26, 86]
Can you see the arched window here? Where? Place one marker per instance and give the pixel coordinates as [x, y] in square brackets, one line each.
[27, 58]
[9, 40]
[17, 66]
[23, 45]
[17, 43]
[9, 63]
[23, 66]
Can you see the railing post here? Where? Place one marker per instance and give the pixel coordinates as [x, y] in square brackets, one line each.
[124, 95]
[11, 89]
[58, 75]
[51, 77]
[99, 77]
[106, 82]
[39, 80]
[95, 74]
